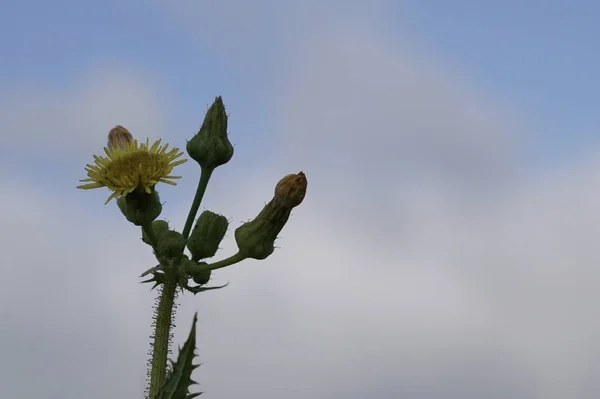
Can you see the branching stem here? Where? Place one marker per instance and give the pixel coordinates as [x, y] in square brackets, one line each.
[202, 184]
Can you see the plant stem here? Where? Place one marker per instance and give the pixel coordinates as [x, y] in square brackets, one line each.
[226, 262]
[195, 269]
[161, 338]
[204, 178]
[147, 228]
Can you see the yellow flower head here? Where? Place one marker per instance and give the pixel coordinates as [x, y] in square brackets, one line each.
[132, 167]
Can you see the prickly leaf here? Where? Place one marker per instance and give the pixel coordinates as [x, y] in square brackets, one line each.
[179, 378]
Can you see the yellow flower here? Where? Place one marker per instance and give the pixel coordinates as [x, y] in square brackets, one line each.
[132, 167]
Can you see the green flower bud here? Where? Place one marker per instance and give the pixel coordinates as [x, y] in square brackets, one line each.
[196, 271]
[159, 227]
[210, 147]
[139, 207]
[290, 190]
[207, 234]
[256, 239]
[202, 278]
[171, 244]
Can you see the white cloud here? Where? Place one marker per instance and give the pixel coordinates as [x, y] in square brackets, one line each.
[73, 121]
[70, 301]
[397, 147]
[357, 99]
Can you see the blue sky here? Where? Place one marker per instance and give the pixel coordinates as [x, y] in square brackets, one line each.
[536, 56]
[447, 245]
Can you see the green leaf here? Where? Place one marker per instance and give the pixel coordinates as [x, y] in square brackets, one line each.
[158, 279]
[198, 289]
[179, 378]
[151, 270]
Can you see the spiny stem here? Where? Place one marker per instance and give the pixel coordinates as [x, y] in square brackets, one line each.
[161, 338]
[204, 178]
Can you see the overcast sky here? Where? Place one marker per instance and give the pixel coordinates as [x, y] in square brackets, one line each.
[447, 246]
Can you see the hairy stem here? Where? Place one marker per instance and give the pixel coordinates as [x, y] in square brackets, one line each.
[204, 178]
[161, 338]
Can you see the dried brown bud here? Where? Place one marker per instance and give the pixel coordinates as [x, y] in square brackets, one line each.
[290, 190]
[119, 137]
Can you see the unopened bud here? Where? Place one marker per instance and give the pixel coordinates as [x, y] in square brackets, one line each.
[202, 278]
[207, 234]
[159, 227]
[196, 271]
[290, 190]
[171, 244]
[210, 147]
[119, 137]
[256, 239]
[140, 208]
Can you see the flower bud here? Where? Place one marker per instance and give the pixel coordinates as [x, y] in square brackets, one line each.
[140, 208]
[290, 190]
[170, 244]
[207, 235]
[210, 147]
[159, 227]
[196, 271]
[256, 239]
[202, 278]
[119, 137]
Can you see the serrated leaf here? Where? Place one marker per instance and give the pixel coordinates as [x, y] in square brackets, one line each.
[179, 378]
[158, 278]
[151, 270]
[198, 289]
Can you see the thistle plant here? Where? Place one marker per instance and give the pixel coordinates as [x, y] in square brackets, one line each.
[131, 171]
